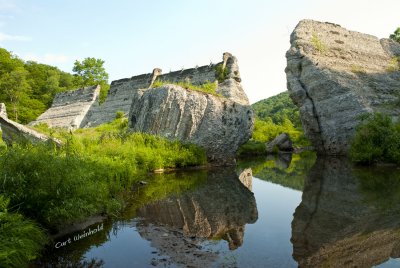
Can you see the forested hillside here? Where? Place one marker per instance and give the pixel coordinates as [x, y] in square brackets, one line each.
[278, 108]
[27, 88]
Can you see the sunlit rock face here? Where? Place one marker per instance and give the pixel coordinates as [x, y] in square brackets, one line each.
[335, 75]
[347, 218]
[69, 109]
[220, 209]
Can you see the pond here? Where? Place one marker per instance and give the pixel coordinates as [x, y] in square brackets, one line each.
[286, 211]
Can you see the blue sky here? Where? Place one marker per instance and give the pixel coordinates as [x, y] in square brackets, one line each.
[133, 37]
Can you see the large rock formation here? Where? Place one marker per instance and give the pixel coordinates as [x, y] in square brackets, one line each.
[347, 218]
[69, 109]
[15, 132]
[218, 124]
[334, 75]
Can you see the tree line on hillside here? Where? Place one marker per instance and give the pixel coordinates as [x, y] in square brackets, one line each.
[28, 88]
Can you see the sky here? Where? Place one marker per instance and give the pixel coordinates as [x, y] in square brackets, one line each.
[133, 37]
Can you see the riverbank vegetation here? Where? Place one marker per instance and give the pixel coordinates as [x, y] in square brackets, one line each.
[377, 139]
[21, 239]
[274, 116]
[90, 175]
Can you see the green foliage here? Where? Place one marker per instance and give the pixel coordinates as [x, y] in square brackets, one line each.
[221, 73]
[21, 239]
[28, 88]
[318, 44]
[377, 138]
[274, 116]
[15, 85]
[208, 87]
[91, 72]
[394, 64]
[396, 35]
[252, 147]
[89, 175]
[265, 131]
[119, 114]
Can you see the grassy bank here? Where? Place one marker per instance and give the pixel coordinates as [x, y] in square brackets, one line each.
[89, 175]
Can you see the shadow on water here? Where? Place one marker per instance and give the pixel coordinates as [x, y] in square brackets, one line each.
[176, 213]
[348, 217]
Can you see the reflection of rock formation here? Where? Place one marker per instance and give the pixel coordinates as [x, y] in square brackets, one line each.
[218, 209]
[334, 227]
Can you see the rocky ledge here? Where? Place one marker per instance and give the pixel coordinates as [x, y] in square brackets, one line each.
[335, 75]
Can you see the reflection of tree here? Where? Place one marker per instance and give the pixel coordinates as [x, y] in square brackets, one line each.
[334, 227]
[380, 186]
[288, 170]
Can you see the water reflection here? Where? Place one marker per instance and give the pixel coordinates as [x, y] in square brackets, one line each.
[288, 170]
[347, 217]
[175, 219]
[178, 226]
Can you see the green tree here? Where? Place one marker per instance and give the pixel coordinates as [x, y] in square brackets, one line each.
[396, 35]
[15, 85]
[90, 72]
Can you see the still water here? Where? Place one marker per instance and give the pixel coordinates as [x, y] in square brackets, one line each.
[288, 211]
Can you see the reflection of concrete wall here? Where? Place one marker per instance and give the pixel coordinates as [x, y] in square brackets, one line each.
[334, 226]
[218, 209]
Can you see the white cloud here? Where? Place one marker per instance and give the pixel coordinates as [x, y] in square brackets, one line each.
[47, 58]
[8, 37]
[8, 5]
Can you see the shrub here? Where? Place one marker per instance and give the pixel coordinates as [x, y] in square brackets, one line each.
[317, 44]
[394, 64]
[377, 138]
[119, 114]
[221, 74]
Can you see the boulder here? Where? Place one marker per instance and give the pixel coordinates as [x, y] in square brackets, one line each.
[219, 124]
[282, 142]
[15, 132]
[335, 75]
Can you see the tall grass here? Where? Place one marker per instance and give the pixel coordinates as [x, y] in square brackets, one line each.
[21, 239]
[91, 174]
